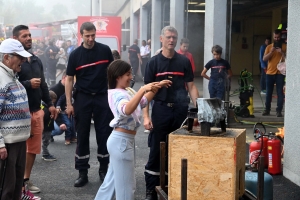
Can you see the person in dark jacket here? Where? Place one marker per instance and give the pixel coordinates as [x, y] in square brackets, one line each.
[48, 127]
[51, 59]
[32, 78]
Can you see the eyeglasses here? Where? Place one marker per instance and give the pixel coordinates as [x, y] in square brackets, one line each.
[20, 57]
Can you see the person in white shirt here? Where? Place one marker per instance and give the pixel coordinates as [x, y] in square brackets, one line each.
[145, 52]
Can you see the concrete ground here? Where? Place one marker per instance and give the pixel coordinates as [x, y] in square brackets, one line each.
[56, 179]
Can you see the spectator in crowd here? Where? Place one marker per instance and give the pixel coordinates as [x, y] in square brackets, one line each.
[14, 119]
[32, 78]
[134, 57]
[62, 123]
[220, 73]
[70, 48]
[74, 40]
[59, 42]
[70, 133]
[273, 54]
[40, 53]
[263, 65]
[89, 63]
[48, 127]
[184, 50]
[149, 44]
[51, 59]
[116, 54]
[145, 54]
[61, 63]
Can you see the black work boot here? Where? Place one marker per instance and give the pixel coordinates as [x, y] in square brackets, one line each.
[151, 195]
[81, 180]
[102, 173]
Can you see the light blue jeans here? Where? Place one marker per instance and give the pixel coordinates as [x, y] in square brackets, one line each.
[120, 178]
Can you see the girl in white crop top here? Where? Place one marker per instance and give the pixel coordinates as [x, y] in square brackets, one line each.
[126, 105]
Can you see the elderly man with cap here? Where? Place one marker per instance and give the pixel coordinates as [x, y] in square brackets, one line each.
[14, 120]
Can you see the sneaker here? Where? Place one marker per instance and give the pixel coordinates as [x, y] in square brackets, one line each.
[27, 195]
[263, 92]
[51, 139]
[49, 157]
[146, 131]
[74, 140]
[151, 195]
[31, 188]
[279, 114]
[67, 142]
[266, 112]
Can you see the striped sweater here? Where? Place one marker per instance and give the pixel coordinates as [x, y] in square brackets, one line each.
[14, 109]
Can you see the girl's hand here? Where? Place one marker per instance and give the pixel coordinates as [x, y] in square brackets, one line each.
[151, 87]
[165, 83]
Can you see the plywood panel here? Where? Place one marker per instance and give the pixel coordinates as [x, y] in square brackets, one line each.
[215, 165]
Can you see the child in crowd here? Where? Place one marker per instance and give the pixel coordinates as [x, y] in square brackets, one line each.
[116, 54]
[126, 106]
[220, 74]
[68, 126]
[48, 127]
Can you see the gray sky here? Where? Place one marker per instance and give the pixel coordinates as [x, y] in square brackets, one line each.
[48, 5]
[109, 6]
[28, 11]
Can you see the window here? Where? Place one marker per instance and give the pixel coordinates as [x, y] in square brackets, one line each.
[109, 41]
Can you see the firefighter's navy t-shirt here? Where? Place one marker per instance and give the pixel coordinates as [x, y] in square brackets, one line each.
[218, 68]
[90, 68]
[133, 51]
[178, 69]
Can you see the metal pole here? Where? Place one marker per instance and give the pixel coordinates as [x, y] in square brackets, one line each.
[184, 179]
[100, 7]
[187, 19]
[260, 178]
[91, 8]
[229, 55]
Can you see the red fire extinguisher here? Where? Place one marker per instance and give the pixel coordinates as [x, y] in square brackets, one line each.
[255, 148]
[274, 156]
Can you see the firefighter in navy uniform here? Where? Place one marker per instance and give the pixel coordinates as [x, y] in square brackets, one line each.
[170, 104]
[89, 64]
[134, 57]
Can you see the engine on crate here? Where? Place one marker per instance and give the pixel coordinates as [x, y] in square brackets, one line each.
[209, 111]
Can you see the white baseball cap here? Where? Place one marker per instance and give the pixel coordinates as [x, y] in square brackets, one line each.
[13, 46]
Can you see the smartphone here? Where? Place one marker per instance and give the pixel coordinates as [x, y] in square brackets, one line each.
[278, 44]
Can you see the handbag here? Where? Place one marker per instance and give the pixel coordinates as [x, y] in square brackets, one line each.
[281, 66]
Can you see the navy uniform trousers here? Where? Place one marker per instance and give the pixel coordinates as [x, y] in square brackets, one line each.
[85, 106]
[166, 118]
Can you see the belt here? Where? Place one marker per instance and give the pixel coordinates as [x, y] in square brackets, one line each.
[91, 93]
[166, 104]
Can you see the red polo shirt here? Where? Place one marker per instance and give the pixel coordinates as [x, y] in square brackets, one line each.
[189, 56]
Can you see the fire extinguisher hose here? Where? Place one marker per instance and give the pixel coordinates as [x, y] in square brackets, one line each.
[256, 137]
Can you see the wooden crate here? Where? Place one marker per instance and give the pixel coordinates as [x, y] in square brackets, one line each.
[216, 164]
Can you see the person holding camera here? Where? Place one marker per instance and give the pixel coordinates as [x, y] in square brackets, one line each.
[274, 53]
